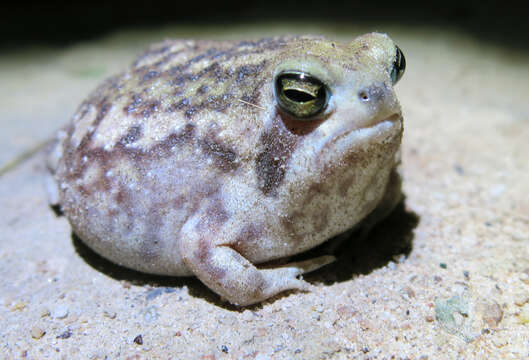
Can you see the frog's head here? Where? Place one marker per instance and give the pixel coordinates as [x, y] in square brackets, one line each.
[335, 113]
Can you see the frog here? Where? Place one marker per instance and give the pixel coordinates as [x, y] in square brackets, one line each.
[216, 159]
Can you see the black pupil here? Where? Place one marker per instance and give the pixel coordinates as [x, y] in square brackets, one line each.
[298, 96]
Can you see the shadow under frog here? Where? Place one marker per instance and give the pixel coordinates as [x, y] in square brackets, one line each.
[357, 252]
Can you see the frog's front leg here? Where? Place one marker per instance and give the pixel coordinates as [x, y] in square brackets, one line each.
[231, 275]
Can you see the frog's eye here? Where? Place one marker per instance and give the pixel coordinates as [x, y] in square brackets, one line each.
[399, 65]
[301, 95]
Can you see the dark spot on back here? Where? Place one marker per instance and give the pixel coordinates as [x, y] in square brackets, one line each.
[149, 108]
[133, 134]
[150, 75]
[138, 106]
[202, 90]
[224, 157]
[179, 105]
[134, 103]
[83, 109]
[191, 111]
[182, 136]
[103, 110]
[245, 71]
[218, 103]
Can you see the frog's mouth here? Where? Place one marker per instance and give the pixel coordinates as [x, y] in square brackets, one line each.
[351, 136]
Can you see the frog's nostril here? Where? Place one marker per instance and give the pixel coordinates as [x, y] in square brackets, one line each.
[373, 93]
[364, 96]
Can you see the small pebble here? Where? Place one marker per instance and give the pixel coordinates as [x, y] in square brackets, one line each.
[138, 340]
[521, 300]
[60, 312]
[524, 277]
[44, 312]
[523, 316]
[65, 335]
[429, 318]
[19, 306]
[492, 314]
[442, 265]
[408, 292]
[499, 342]
[109, 313]
[319, 308]
[37, 332]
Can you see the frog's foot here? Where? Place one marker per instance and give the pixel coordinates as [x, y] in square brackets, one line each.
[232, 276]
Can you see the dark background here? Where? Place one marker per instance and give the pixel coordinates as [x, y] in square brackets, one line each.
[60, 23]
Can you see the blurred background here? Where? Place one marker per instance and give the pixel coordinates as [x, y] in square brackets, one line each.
[61, 23]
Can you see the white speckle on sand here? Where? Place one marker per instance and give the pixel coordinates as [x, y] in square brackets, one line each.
[60, 312]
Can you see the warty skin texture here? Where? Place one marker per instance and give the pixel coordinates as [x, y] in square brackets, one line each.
[186, 165]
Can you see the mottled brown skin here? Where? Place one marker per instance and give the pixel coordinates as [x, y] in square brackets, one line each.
[185, 164]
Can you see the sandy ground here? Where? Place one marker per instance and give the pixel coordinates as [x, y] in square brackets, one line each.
[445, 277]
